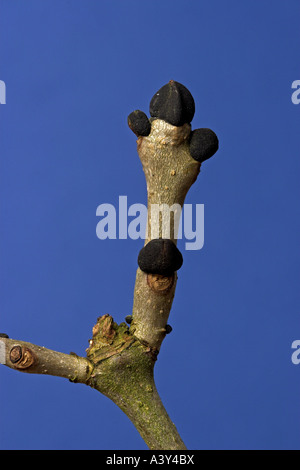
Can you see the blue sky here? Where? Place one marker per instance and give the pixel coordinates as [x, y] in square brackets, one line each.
[74, 70]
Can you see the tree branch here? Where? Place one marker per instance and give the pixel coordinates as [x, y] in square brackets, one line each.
[123, 371]
[120, 360]
[170, 171]
[27, 357]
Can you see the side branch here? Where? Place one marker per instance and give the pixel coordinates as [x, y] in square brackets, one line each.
[30, 358]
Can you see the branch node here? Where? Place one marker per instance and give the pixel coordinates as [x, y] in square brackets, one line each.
[22, 357]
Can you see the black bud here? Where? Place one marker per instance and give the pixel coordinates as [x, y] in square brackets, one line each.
[203, 144]
[128, 319]
[3, 335]
[173, 103]
[160, 256]
[139, 123]
[168, 329]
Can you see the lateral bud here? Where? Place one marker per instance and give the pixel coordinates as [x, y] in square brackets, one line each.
[139, 123]
[203, 144]
[160, 256]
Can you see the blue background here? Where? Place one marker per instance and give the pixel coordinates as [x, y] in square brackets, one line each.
[74, 70]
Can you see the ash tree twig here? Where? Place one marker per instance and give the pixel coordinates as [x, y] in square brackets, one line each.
[171, 155]
[120, 358]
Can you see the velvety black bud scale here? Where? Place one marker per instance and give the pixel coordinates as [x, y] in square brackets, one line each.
[173, 103]
[203, 144]
[128, 319]
[168, 329]
[160, 256]
[3, 335]
[139, 123]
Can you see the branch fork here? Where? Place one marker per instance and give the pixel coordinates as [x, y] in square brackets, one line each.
[120, 358]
